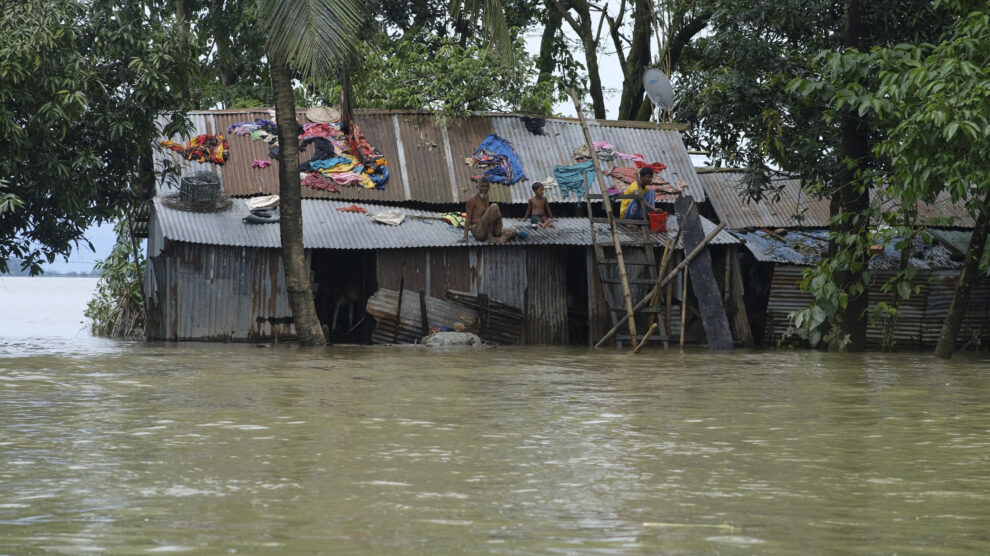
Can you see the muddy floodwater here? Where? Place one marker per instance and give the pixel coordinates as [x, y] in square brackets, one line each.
[126, 447]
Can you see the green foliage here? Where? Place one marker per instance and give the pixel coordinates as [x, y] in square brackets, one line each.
[117, 307]
[451, 80]
[929, 105]
[81, 86]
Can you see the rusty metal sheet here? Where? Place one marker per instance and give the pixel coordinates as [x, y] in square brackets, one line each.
[794, 208]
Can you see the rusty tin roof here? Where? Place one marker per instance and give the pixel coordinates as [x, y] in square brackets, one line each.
[426, 157]
[795, 208]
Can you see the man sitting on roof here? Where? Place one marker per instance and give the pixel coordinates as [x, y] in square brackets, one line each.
[631, 208]
[484, 219]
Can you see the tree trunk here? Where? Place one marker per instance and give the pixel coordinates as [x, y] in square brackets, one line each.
[545, 63]
[582, 26]
[636, 62]
[852, 199]
[594, 78]
[304, 317]
[960, 298]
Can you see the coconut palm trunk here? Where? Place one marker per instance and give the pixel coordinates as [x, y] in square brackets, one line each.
[308, 328]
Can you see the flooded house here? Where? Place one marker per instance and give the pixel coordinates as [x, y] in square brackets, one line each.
[213, 277]
[785, 235]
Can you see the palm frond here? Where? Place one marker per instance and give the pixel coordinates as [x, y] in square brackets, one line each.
[312, 35]
[492, 23]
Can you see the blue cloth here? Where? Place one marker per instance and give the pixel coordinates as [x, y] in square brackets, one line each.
[380, 176]
[506, 167]
[571, 178]
[635, 211]
[315, 165]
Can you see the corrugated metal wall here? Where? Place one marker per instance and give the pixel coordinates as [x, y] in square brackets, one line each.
[546, 296]
[530, 278]
[920, 318]
[222, 294]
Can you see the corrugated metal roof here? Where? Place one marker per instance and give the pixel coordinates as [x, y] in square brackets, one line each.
[795, 208]
[324, 227]
[426, 159]
[805, 248]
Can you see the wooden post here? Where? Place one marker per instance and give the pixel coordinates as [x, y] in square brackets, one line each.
[611, 221]
[703, 283]
[668, 325]
[661, 282]
[398, 308]
[423, 317]
[684, 305]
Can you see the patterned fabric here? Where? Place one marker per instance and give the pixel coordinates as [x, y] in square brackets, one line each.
[202, 148]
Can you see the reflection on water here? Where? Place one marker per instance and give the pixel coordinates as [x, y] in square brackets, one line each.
[232, 448]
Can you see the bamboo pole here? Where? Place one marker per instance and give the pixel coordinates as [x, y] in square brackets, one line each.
[653, 328]
[661, 282]
[627, 297]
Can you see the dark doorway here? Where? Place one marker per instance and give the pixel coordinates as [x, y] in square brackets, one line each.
[576, 281]
[344, 280]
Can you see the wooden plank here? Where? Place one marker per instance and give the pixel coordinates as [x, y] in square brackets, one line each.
[703, 282]
[740, 320]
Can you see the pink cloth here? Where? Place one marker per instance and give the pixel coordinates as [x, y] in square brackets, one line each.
[633, 157]
[260, 164]
[603, 145]
[318, 130]
[316, 181]
[346, 178]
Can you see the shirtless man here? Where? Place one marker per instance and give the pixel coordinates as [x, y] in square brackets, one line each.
[484, 219]
[538, 210]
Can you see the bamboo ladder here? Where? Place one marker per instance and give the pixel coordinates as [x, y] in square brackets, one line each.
[612, 270]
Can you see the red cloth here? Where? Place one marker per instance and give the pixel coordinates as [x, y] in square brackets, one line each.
[657, 167]
[352, 208]
[316, 181]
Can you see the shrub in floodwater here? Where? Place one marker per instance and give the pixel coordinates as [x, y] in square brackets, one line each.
[117, 307]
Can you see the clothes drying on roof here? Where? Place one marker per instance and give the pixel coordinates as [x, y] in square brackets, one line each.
[246, 128]
[317, 181]
[632, 157]
[657, 167]
[202, 148]
[604, 150]
[352, 208]
[534, 125]
[455, 219]
[392, 217]
[500, 160]
[628, 175]
[571, 178]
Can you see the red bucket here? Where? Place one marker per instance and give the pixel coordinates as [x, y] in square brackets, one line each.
[658, 221]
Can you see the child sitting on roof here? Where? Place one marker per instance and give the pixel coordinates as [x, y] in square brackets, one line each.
[538, 210]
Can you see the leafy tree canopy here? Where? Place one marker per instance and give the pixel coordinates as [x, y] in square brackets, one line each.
[81, 87]
[450, 79]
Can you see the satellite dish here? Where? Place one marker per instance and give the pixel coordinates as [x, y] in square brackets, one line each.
[658, 88]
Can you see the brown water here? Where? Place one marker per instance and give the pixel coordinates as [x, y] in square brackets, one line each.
[126, 448]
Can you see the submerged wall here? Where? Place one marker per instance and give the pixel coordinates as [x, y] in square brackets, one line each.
[217, 294]
[919, 321]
